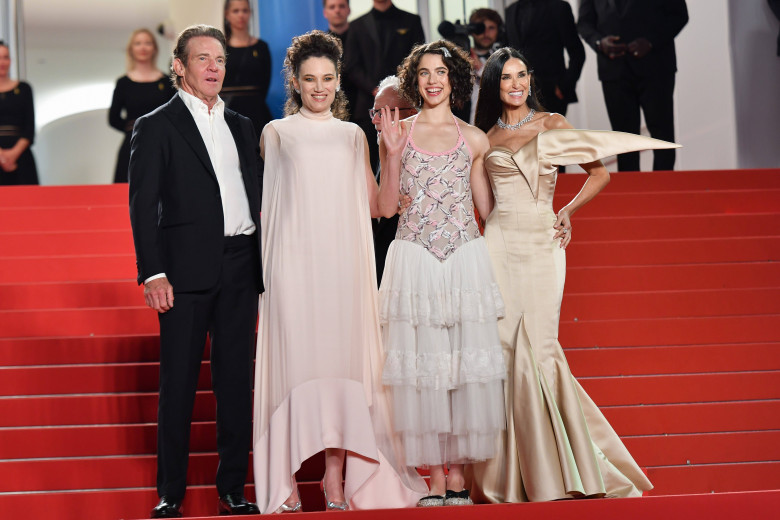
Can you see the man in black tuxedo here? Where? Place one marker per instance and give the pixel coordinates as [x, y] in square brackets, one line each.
[637, 63]
[541, 30]
[378, 42]
[194, 207]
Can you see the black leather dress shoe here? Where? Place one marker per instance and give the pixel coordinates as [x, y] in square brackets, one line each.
[236, 504]
[167, 508]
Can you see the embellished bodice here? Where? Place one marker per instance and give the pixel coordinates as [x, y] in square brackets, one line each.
[441, 215]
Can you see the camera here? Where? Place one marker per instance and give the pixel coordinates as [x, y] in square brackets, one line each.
[458, 33]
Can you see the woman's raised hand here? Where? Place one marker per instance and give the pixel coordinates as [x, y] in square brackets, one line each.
[392, 132]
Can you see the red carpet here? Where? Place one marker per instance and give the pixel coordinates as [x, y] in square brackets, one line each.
[671, 322]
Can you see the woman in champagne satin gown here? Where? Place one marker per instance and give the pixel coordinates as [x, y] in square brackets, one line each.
[558, 444]
[319, 349]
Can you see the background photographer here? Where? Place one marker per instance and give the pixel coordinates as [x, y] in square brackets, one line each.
[485, 27]
[484, 44]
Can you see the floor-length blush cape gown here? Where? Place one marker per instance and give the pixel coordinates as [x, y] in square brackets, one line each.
[319, 351]
[557, 443]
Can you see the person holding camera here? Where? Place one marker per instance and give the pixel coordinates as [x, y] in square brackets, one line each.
[485, 43]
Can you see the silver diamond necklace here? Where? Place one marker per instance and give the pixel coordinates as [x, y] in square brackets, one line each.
[517, 125]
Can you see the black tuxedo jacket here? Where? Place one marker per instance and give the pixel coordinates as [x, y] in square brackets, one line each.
[367, 62]
[175, 204]
[660, 21]
[542, 38]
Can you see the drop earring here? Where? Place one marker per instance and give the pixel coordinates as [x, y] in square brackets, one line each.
[296, 90]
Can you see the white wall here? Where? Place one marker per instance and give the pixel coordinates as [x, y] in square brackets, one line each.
[77, 149]
[756, 83]
[75, 53]
[704, 100]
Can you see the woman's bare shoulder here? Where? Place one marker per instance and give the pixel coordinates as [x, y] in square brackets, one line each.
[554, 121]
[476, 138]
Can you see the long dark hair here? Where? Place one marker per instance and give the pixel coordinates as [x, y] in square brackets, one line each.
[489, 104]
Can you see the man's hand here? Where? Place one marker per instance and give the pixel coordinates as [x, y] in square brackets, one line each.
[158, 294]
[639, 47]
[609, 45]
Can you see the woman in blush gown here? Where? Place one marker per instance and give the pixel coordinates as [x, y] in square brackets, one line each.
[319, 350]
[558, 444]
[439, 302]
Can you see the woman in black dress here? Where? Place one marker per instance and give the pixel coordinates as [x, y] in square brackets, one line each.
[248, 69]
[143, 89]
[17, 127]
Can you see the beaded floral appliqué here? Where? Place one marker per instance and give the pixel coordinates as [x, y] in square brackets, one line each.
[441, 215]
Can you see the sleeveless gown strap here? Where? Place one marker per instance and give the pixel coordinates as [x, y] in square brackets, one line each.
[410, 140]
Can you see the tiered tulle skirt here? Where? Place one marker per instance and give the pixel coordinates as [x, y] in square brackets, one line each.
[444, 360]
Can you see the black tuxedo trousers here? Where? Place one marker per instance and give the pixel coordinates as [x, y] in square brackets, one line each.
[228, 314]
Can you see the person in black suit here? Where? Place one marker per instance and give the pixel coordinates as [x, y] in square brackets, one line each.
[194, 208]
[637, 63]
[378, 42]
[541, 30]
[336, 12]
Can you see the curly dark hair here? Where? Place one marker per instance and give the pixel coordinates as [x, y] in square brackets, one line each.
[489, 104]
[313, 44]
[461, 74]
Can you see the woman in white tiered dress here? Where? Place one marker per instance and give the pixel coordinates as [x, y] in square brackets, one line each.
[439, 303]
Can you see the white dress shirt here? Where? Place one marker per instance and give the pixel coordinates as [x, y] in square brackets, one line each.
[223, 153]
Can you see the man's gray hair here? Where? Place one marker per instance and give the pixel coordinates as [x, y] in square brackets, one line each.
[390, 81]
